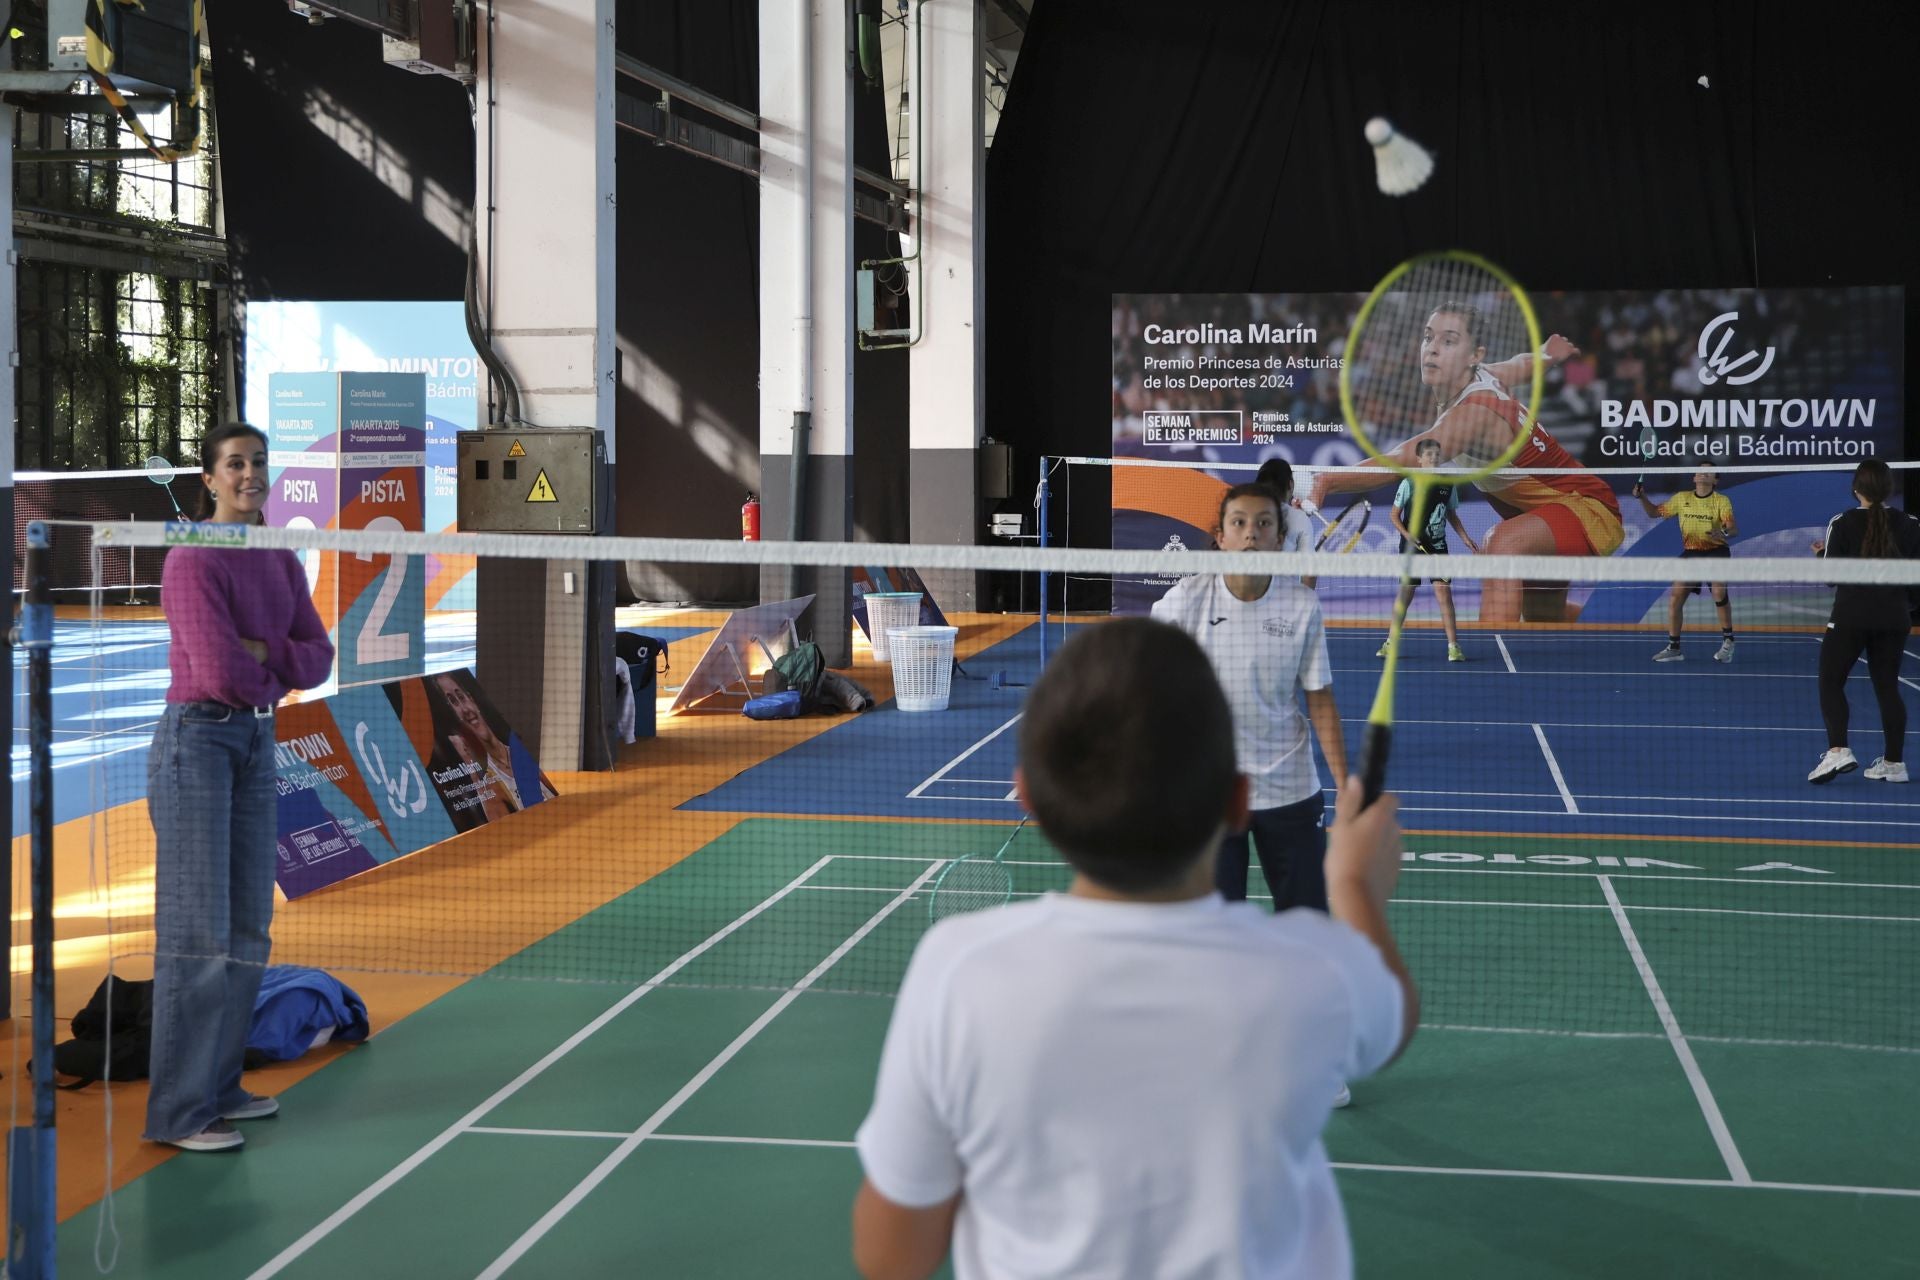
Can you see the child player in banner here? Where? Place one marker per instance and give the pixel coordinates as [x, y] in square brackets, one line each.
[1548, 505]
[1443, 508]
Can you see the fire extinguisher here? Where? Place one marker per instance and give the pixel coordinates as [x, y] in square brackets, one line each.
[750, 520]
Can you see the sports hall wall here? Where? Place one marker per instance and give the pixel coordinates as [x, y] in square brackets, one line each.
[301, 110]
[1148, 148]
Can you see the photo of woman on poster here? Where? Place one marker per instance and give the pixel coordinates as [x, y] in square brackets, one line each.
[468, 733]
[1555, 510]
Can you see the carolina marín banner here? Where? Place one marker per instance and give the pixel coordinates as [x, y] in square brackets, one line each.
[380, 771]
[1760, 385]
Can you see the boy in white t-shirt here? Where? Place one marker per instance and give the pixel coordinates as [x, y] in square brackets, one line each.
[1268, 645]
[1130, 1079]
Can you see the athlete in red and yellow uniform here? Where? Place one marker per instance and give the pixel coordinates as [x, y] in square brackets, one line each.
[1547, 506]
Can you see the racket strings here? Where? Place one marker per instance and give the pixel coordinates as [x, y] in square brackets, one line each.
[972, 883]
[1445, 330]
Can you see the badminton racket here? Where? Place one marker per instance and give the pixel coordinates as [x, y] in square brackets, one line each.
[975, 882]
[160, 471]
[1342, 533]
[1416, 358]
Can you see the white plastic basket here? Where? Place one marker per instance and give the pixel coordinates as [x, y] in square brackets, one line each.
[922, 667]
[889, 611]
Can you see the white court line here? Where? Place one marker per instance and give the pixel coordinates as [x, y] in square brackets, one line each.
[1553, 767]
[1351, 1167]
[1505, 655]
[1745, 1042]
[1741, 1183]
[614, 1135]
[1716, 1123]
[1478, 902]
[1583, 724]
[1662, 799]
[533, 1234]
[292, 1253]
[1910, 684]
[1637, 815]
[1467, 871]
[915, 793]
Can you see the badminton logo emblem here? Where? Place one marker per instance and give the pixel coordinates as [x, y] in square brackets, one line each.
[1718, 367]
[406, 793]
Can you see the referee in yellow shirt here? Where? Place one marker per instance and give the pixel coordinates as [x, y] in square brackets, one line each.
[1706, 522]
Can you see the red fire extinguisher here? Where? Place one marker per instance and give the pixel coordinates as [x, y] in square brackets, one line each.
[750, 520]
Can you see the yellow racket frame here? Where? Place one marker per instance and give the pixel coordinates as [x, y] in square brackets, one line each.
[1380, 718]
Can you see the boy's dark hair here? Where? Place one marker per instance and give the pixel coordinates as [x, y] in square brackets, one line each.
[1277, 475]
[210, 453]
[1254, 490]
[1126, 744]
[1426, 446]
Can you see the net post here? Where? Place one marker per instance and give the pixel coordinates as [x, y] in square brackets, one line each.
[1040, 500]
[31, 1148]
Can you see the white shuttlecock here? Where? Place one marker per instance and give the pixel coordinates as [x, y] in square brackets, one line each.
[1400, 163]
[1306, 505]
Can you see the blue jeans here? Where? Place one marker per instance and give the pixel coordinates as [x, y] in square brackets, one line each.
[211, 794]
[1292, 845]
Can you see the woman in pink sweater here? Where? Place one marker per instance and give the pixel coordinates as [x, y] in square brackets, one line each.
[244, 633]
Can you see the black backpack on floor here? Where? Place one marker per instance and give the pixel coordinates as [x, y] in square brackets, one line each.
[90, 1056]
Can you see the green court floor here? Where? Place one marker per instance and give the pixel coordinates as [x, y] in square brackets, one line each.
[1638, 1059]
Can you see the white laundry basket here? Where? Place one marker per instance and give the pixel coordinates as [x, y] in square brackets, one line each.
[889, 611]
[922, 667]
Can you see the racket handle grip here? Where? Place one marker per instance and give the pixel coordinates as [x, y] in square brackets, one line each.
[1374, 749]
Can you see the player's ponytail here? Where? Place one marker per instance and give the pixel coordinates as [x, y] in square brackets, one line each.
[1873, 481]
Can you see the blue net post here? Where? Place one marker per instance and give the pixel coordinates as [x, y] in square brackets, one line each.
[30, 1198]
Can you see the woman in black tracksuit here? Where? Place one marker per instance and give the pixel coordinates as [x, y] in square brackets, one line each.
[1873, 620]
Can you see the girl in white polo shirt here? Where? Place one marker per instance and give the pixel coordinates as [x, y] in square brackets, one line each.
[1267, 642]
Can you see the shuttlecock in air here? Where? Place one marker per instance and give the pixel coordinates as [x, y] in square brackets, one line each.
[1400, 163]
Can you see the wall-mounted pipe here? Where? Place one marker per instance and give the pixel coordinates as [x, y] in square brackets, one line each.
[919, 286]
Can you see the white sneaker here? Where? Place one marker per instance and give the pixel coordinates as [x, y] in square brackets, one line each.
[1881, 771]
[1725, 652]
[218, 1136]
[1344, 1098]
[1837, 761]
[1670, 654]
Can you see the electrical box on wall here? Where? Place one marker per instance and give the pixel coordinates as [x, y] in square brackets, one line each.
[536, 480]
[153, 45]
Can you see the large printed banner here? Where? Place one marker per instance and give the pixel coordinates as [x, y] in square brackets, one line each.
[428, 338]
[348, 451]
[1762, 386]
[374, 773]
[383, 455]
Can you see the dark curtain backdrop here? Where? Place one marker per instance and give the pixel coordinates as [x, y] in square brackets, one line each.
[1148, 147]
[301, 109]
[689, 418]
[333, 163]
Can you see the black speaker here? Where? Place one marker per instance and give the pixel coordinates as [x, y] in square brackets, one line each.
[996, 470]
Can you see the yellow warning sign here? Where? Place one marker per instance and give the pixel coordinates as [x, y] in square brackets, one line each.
[542, 490]
[517, 451]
